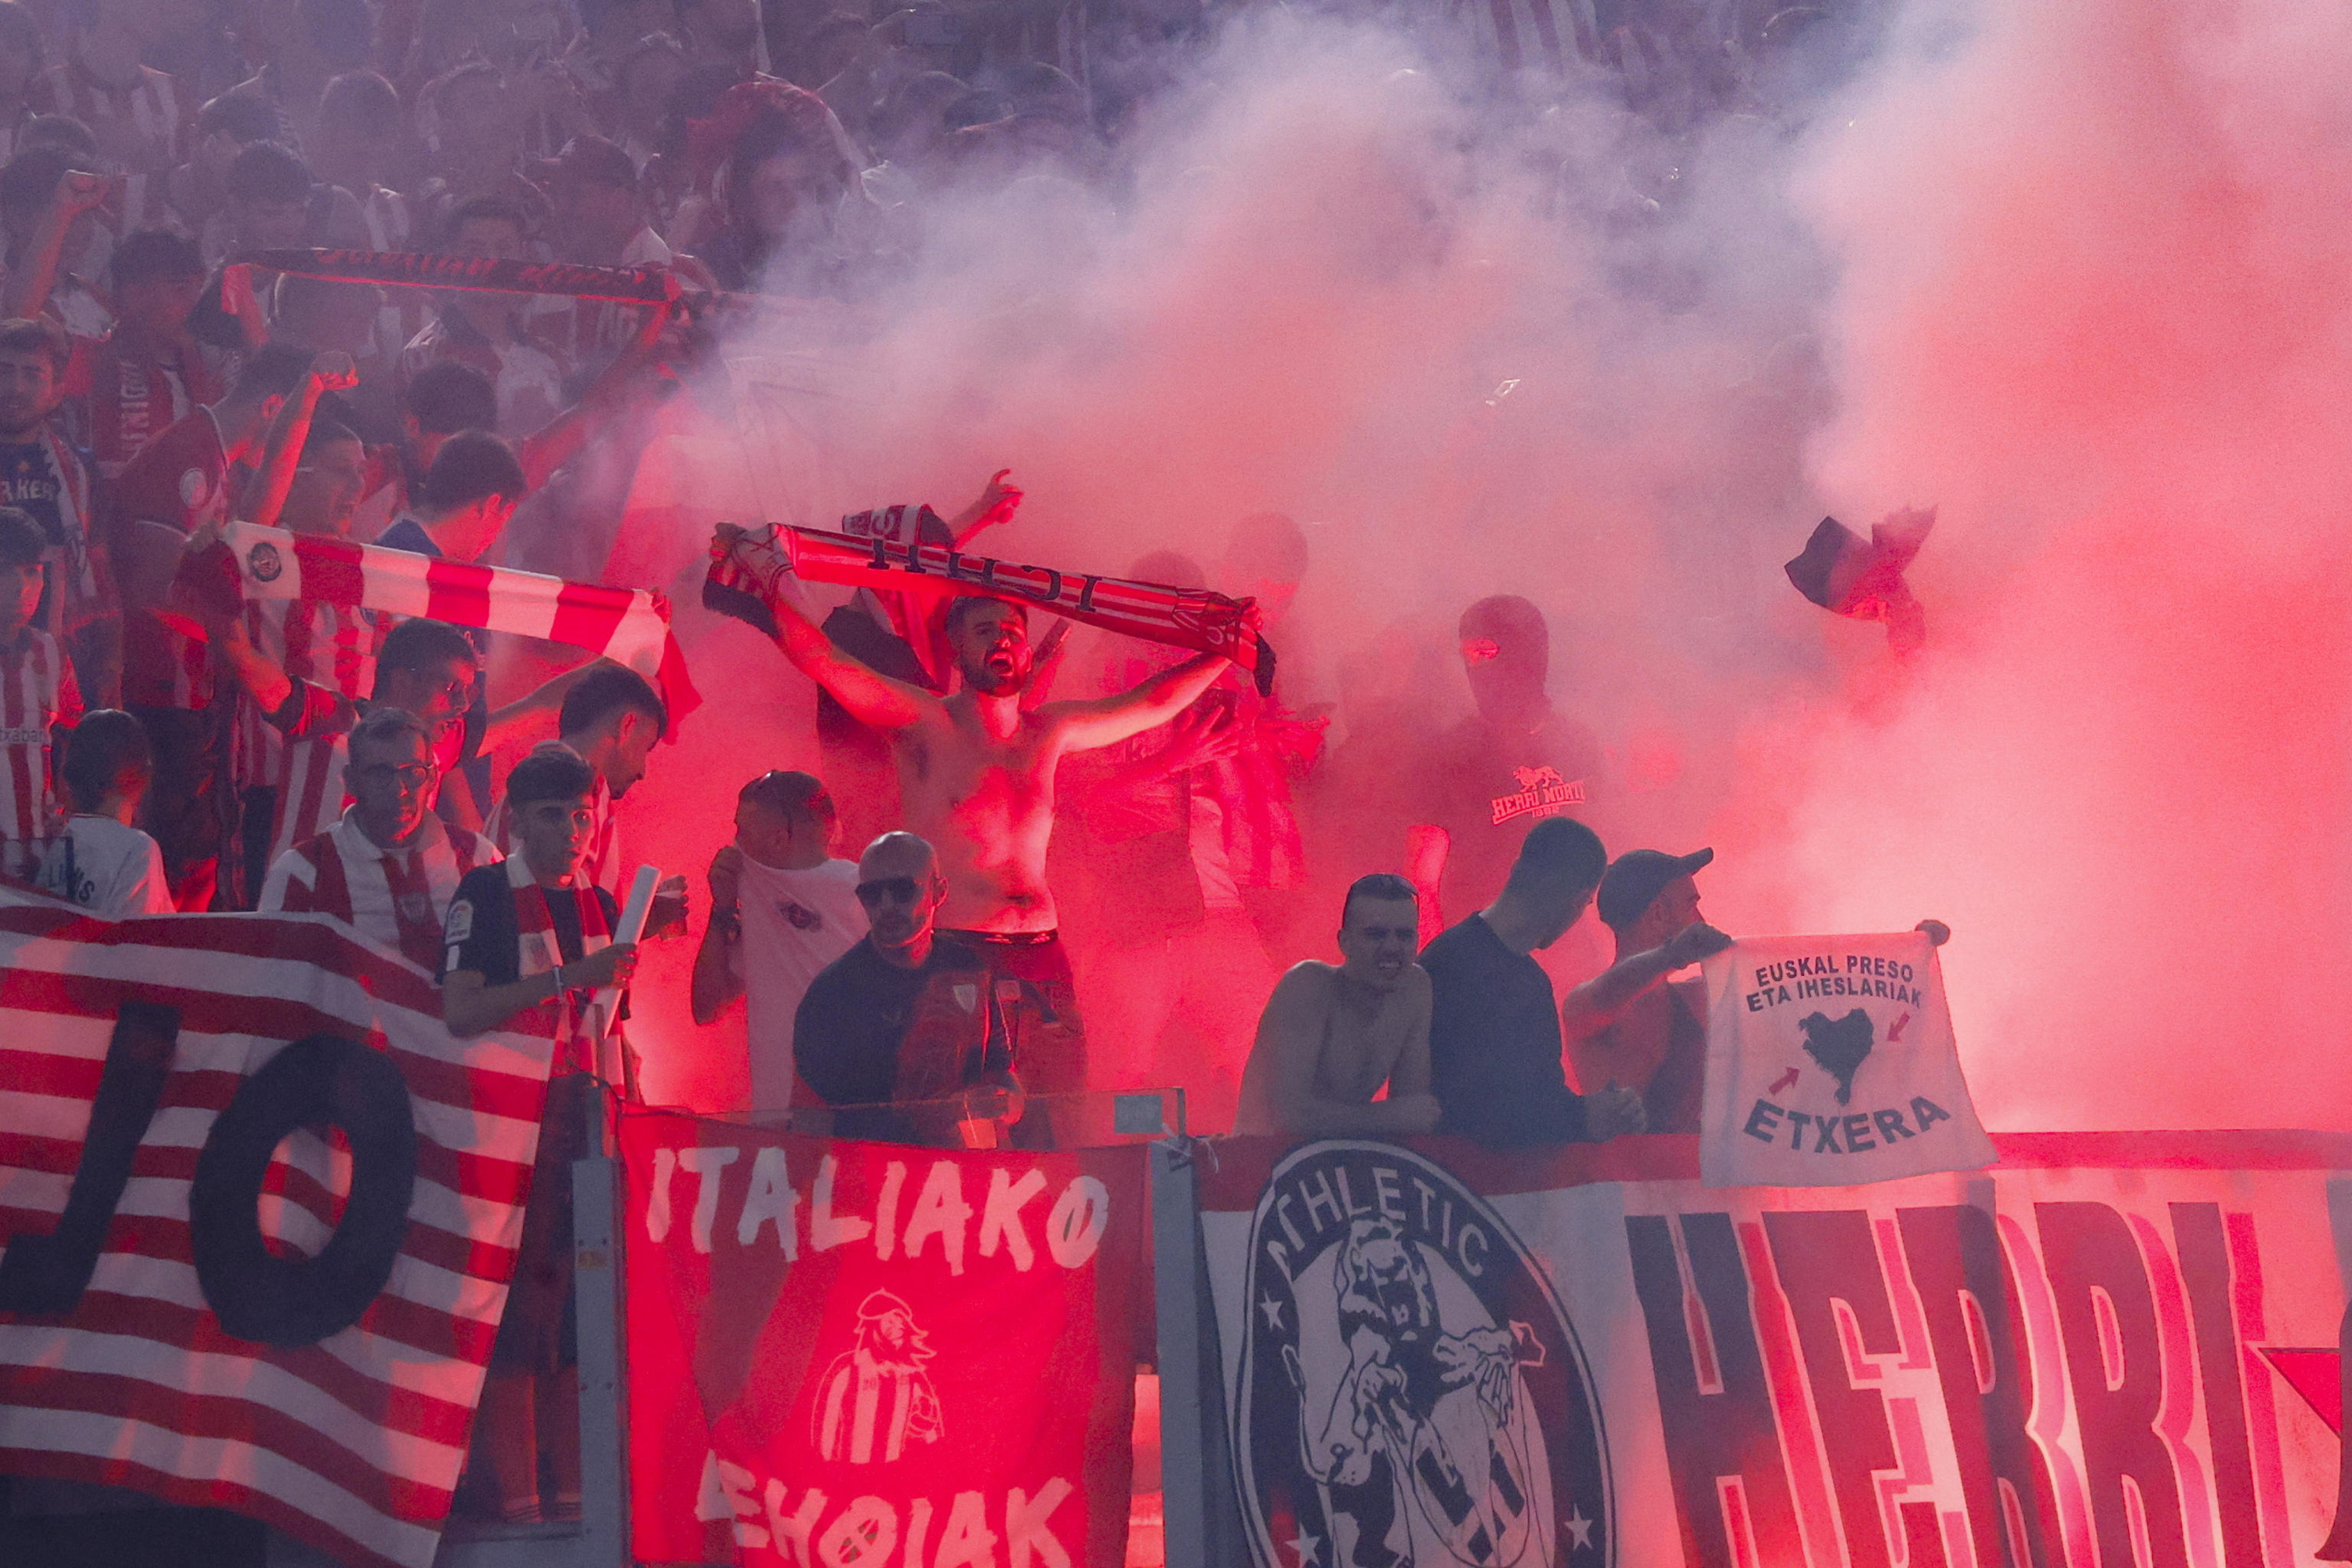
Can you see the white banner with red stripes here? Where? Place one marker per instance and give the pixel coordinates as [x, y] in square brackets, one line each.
[630, 625]
[200, 1297]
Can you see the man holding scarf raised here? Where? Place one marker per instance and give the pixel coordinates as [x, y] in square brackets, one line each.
[976, 776]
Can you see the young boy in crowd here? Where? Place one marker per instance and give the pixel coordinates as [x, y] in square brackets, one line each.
[101, 861]
[782, 908]
[38, 700]
[527, 946]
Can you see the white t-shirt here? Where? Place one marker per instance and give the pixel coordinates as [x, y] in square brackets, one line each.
[795, 923]
[106, 868]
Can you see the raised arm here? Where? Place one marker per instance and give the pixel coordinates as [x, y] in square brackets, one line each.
[28, 293]
[996, 503]
[281, 449]
[872, 699]
[1105, 721]
[1602, 1000]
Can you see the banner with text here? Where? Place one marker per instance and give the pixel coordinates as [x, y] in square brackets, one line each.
[259, 1213]
[2110, 1349]
[1830, 1062]
[875, 1354]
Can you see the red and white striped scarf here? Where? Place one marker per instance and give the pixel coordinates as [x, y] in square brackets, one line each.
[570, 1017]
[397, 898]
[37, 693]
[748, 566]
[626, 625]
[333, 646]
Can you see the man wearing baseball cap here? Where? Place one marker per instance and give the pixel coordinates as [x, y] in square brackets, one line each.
[1629, 1026]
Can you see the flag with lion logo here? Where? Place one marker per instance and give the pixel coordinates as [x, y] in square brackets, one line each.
[1830, 1062]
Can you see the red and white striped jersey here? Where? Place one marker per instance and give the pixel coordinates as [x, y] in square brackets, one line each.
[395, 897]
[600, 860]
[327, 644]
[179, 482]
[145, 126]
[122, 400]
[36, 694]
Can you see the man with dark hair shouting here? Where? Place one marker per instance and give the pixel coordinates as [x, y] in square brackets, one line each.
[976, 778]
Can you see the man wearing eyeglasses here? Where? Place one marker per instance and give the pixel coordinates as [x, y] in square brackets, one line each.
[390, 866]
[425, 668]
[903, 1033]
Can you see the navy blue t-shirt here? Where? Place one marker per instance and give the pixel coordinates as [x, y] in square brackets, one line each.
[1495, 1043]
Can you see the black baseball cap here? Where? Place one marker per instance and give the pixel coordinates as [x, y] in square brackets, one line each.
[1637, 876]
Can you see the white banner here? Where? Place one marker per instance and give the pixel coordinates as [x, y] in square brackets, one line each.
[2108, 1350]
[1829, 1063]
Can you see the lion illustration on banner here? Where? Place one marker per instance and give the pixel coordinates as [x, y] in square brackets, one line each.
[1411, 1393]
[1423, 1435]
[875, 1396]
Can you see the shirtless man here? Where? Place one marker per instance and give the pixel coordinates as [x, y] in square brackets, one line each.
[1630, 1026]
[976, 779]
[1330, 1036]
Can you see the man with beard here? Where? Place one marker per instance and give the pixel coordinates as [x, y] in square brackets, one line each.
[389, 867]
[180, 487]
[1632, 1028]
[1330, 1037]
[1513, 762]
[976, 778]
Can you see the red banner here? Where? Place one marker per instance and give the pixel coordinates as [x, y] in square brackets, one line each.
[872, 1353]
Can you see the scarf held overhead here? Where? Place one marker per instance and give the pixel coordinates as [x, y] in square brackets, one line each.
[627, 626]
[746, 566]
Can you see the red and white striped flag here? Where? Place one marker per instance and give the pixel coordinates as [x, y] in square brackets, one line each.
[317, 1370]
[627, 625]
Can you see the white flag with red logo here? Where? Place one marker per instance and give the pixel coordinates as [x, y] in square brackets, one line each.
[201, 1299]
[1830, 1062]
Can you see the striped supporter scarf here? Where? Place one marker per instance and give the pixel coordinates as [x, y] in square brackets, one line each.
[748, 569]
[628, 626]
[570, 1017]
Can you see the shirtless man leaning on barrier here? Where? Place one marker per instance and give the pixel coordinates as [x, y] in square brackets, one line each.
[1330, 1036]
[976, 779]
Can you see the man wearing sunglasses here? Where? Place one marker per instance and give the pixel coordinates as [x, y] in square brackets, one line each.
[895, 1032]
[389, 867]
[976, 776]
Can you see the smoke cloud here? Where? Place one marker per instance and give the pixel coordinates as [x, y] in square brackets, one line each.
[2071, 274]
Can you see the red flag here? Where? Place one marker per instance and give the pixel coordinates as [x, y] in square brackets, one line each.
[869, 1351]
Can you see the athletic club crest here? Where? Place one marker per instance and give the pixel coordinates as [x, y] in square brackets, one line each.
[1411, 1391]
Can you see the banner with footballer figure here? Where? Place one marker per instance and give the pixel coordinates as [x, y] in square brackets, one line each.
[2111, 1349]
[848, 1352]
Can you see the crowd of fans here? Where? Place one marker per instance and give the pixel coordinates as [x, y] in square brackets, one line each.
[896, 928]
